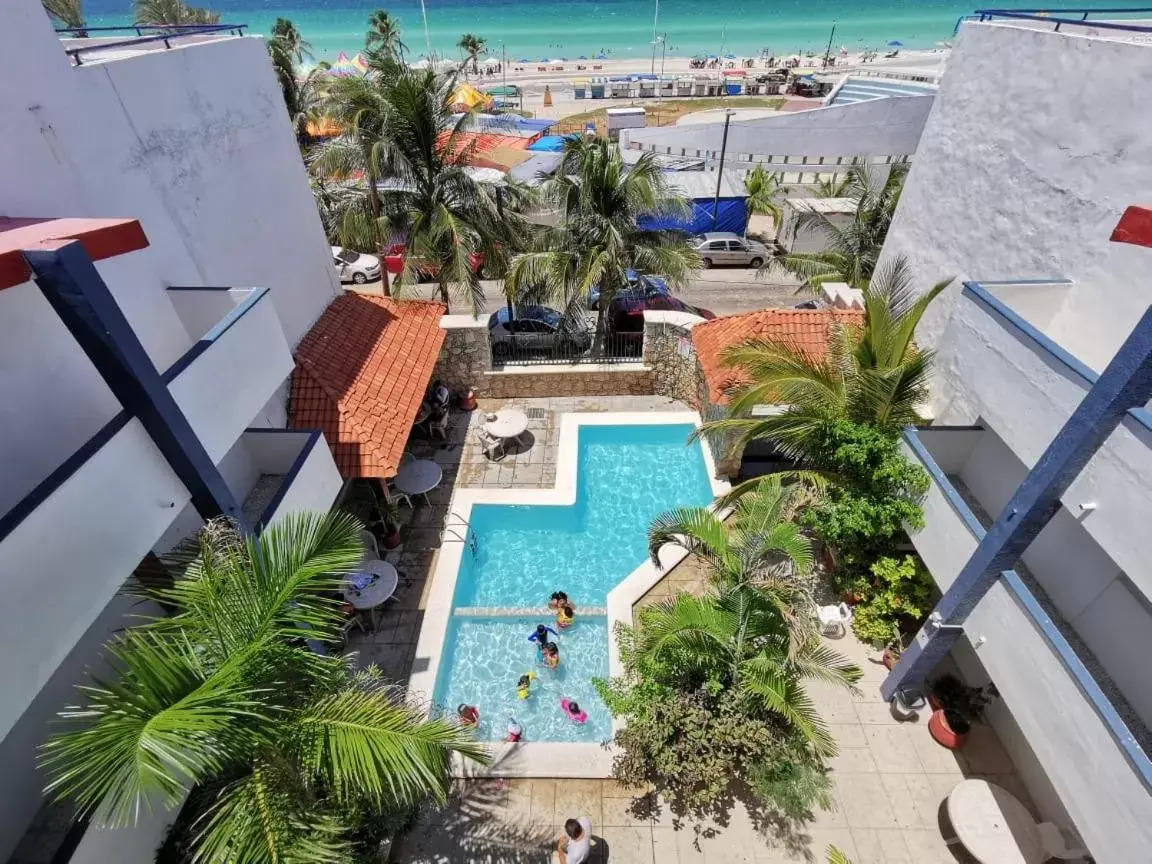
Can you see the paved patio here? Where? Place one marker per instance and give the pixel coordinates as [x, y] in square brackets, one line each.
[890, 779]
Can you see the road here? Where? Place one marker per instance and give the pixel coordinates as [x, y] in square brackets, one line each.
[725, 291]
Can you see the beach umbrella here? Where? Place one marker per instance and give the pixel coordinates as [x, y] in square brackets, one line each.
[896, 43]
[360, 64]
[343, 67]
[582, 57]
[523, 60]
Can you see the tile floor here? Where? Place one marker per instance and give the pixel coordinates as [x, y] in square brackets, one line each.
[890, 779]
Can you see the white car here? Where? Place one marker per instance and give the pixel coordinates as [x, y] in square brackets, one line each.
[355, 266]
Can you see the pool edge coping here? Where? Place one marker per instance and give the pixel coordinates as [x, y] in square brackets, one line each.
[562, 758]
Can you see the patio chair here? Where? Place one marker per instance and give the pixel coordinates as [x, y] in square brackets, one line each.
[438, 426]
[371, 548]
[395, 494]
[1055, 846]
[490, 444]
[834, 619]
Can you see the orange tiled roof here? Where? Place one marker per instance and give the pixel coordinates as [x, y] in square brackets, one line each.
[361, 372]
[803, 329]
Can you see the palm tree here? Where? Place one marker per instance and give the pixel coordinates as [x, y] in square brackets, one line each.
[303, 94]
[384, 34]
[874, 375]
[832, 186]
[756, 541]
[472, 46]
[69, 13]
[738, 638]
[287, 39]
[602, 202]
[280, 743]
[172, 12]
[762, 189]
[450, 219]
[853, 250]
[344, 213]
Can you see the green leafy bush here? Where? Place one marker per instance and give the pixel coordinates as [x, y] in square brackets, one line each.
[876, 492]
[898, 596]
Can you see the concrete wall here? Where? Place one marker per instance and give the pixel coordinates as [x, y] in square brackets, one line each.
[883, 127]
[1028, 159]
[610, 379]
[194, 142]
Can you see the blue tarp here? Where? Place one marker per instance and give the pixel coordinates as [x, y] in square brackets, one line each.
[535, 123]
[732, 215]
[548, 144]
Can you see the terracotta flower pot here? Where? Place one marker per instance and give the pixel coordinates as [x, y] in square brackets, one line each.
[391, 541]
[947, 733]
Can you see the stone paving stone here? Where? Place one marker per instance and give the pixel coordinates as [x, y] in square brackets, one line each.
[880, 846]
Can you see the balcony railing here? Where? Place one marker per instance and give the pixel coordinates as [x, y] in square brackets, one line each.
[1058, 18]
[1038, 608]
[146, 34]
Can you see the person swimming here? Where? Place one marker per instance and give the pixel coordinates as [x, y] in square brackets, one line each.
[551, 655]
[540, 634]
[515, 730]
[565, 615]
[468, 714]
[572, 711]
[558, 599]
[524, 685]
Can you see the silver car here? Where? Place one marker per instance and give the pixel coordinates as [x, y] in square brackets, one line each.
[726, 248]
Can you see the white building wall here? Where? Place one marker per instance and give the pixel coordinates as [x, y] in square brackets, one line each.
[1029, 156]
[194, 142]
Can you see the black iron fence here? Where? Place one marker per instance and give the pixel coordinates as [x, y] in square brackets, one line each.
[574, 349]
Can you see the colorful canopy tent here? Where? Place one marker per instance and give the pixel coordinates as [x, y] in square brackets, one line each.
[549, 144]
[469, 98]
[343, 67]
[360, 63]
[707, 214]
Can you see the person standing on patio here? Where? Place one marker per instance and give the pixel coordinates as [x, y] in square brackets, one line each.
[575, 844]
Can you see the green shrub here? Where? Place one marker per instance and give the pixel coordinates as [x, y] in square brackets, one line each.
[898, 596]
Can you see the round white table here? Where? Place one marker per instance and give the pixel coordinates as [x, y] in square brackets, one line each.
[371, 597]
[509, 423]
[992, 825]
[419, 477]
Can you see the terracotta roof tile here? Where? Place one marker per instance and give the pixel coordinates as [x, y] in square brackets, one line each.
[361, 372]
[803, 329]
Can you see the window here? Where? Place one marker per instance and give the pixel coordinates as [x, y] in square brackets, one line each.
[736, 246]
[716, 246]
[347, 256]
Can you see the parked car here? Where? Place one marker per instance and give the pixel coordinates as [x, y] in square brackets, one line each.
[725, 247]
[395, 259]
[355, 266]
[638, 286]
[626, 320]
[536, 330]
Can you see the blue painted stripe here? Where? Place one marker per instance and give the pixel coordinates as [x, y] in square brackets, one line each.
[912, 436]
[223, 326]
[1080, 674]
[314, 437]
[28, 504]
[1026, 332]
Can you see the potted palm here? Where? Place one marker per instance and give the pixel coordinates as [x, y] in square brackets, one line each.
[389, 526]
[956, 707]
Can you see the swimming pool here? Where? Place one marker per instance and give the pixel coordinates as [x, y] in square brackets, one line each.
[625, 476]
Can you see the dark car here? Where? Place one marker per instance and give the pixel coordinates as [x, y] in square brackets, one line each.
[536, 331]
[638, 286]
[626, 319]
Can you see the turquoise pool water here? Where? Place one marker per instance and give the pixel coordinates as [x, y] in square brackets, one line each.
[626, 475]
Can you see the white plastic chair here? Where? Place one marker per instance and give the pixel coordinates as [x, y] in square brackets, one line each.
[439, 426]
[490, 443]
[371, 548]
[1055, 846]
[834, 619]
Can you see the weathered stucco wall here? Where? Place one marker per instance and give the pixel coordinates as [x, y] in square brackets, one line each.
[1028, 158]
[669, 351]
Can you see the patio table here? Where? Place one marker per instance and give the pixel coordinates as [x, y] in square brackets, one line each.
[509, 423]
[419, 477]
[372, 596]
[993, 826]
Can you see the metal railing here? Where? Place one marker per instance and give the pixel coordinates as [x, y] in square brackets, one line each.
[565, 349]
[1059, 17]
[145, 34]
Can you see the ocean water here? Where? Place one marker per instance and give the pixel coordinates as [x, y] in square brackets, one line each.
[626, 476]
[621, 28]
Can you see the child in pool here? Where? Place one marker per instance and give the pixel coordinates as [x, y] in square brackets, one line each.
[540, 634]
[551, 655]
[468, 714]
[515, 730]
[572, 711]
[558, 599]
[565, 615]
[524, 685]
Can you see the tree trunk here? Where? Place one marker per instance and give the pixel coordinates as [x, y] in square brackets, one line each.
[382, 250]
[444, 291]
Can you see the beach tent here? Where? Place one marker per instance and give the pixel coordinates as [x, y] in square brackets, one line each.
[468, 97]
[360, 63]
[343, 67]
[699, 187]
[549, 144]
